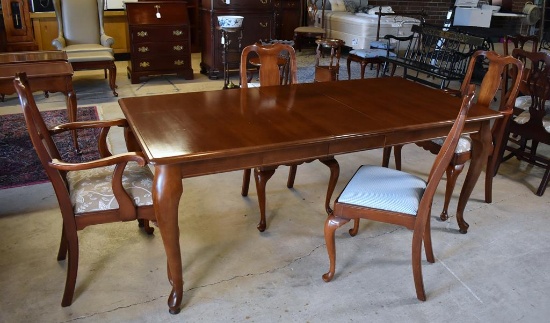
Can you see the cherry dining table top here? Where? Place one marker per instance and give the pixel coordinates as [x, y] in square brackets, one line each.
[198, 133]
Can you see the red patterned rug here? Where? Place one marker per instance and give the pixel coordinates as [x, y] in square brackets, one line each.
[19, 163]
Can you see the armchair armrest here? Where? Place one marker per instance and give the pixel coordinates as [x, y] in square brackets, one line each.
[107, 41]
[453, 92]
[107, 161]
[398, 38]
[59, 43]
[104, 125]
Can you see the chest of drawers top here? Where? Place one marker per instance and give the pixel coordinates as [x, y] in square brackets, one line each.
[157, 13]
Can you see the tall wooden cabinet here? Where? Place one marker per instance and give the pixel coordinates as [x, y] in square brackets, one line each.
[287, 17]
[159, 39]
[263, 20]
[17, 26]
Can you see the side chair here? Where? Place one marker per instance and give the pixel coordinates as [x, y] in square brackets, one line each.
[531, 118]
[490, 84]
[273, 71]
[113, 188]
[392, 196]
[310, 30]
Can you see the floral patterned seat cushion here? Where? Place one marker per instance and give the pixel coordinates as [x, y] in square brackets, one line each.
[91, 190]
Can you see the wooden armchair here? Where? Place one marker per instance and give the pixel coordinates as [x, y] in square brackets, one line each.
[492, 81]
[391, 196]
[111, 189]
[277, 66]
[531, 119]
[82, 36]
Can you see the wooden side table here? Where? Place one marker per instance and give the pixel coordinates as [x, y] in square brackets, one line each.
[48, 71]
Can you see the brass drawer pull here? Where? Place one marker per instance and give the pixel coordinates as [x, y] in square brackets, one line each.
[178, 47]
[144, 64]
[177, 32]
[264, 24]
[143, 49]
[178, 62]
[142, 33]
[264, 1]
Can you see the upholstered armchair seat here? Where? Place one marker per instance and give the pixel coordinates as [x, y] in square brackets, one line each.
[91, 189]
[87, 48]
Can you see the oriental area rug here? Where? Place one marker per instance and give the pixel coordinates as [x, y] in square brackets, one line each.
[19, 163]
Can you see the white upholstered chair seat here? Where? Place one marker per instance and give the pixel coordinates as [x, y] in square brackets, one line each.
[464, 143]
[371, 53]
[385, 189]
[91, 190]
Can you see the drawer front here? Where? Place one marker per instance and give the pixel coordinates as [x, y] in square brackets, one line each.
[141, 34]
[145, 13]
[243, 4]
[169, 63]
[177, 49]
[257, 27]
[288, 4]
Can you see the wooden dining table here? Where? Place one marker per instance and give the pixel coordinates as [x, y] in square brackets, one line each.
[199, 133]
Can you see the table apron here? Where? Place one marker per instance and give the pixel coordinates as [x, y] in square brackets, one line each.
[303, 153]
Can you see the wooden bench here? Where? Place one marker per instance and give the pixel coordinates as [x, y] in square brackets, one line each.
[437, 53]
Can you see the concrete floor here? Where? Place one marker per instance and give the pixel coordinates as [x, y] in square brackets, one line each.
[497, 272]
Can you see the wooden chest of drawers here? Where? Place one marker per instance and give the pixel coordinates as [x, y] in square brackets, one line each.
[159, 39]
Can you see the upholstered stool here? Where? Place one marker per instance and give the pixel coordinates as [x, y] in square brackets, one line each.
[367, 56]
[325, 73]
[94, 60]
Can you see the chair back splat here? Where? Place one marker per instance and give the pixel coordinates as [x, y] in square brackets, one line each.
[113, 188]
[276, 64]
[392, 196]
